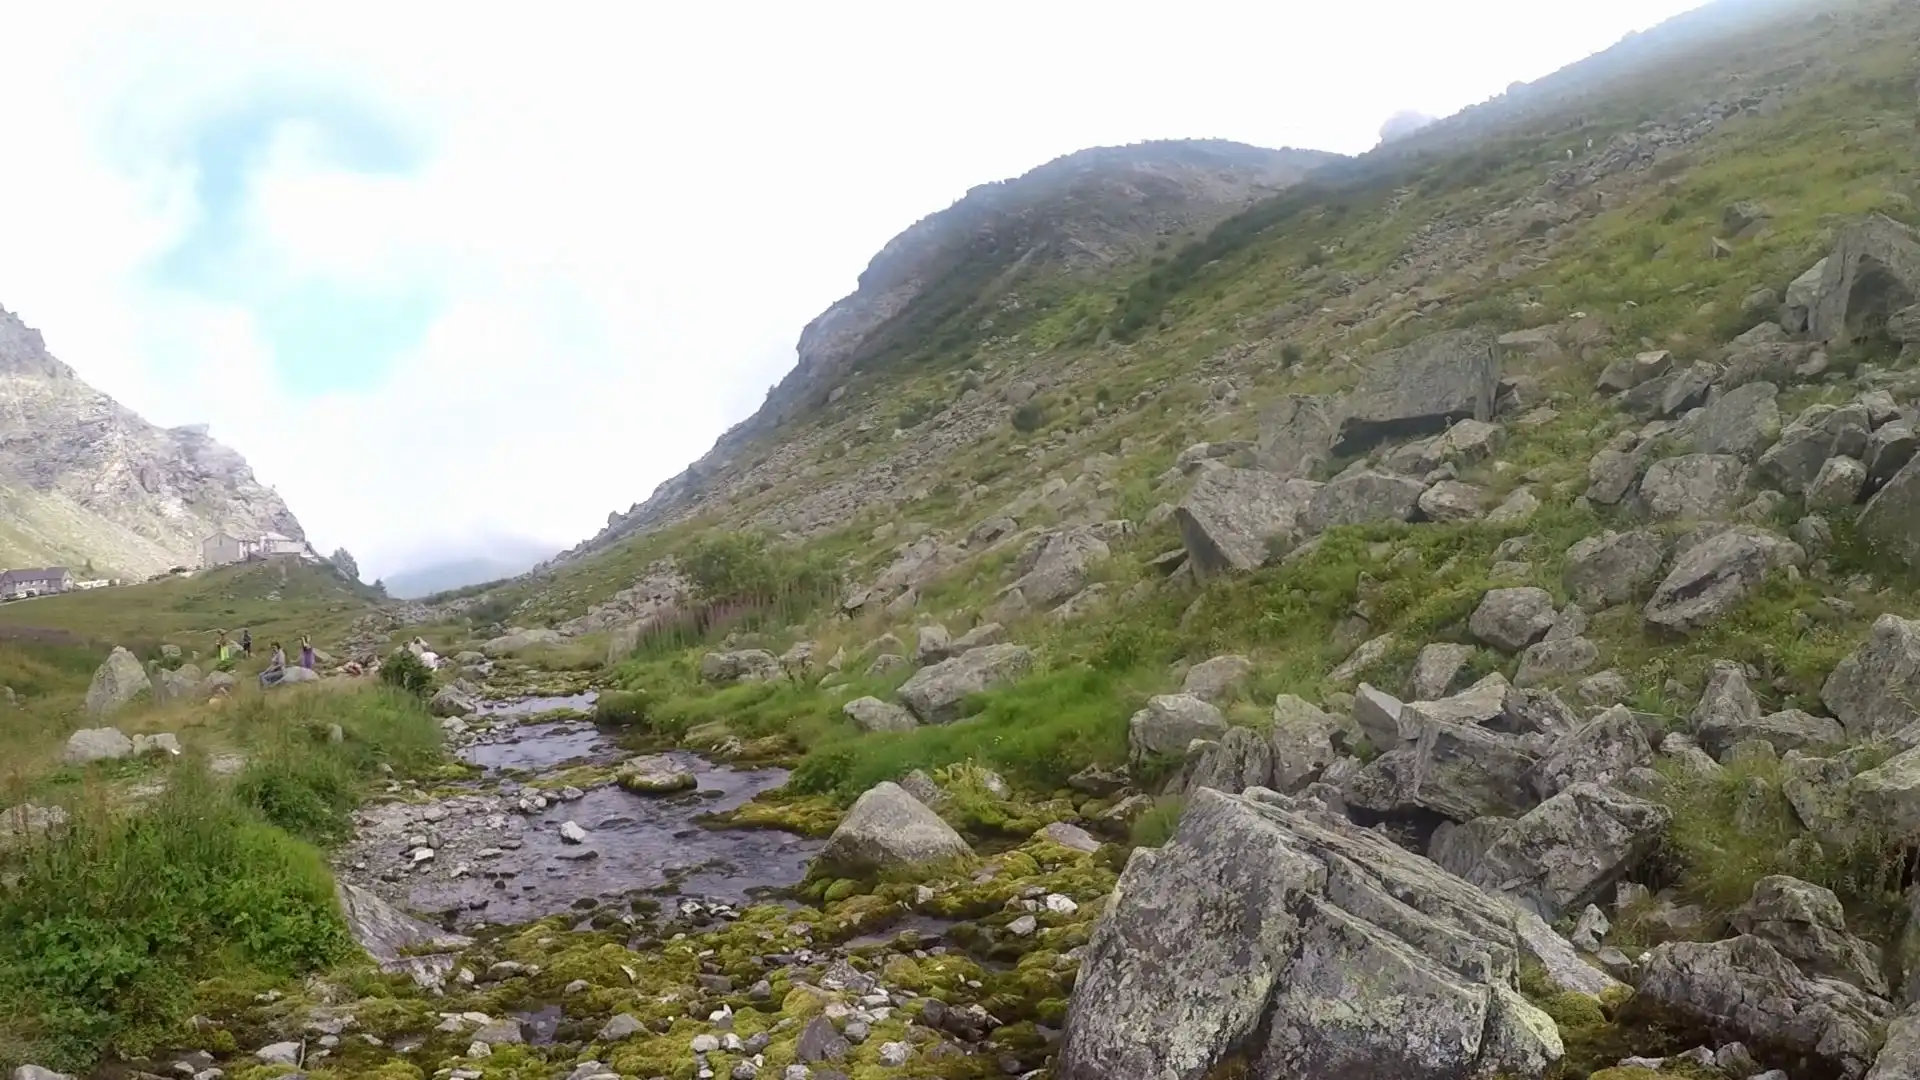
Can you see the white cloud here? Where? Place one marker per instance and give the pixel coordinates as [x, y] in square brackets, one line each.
[627, 211]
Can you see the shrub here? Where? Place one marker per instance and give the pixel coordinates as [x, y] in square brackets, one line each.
[1029, 418]
[1157, 825]
[622, 708]
[405, 671]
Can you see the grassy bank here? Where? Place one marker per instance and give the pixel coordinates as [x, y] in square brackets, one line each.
[107, 929]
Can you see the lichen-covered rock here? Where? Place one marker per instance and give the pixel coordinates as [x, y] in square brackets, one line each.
[1302, 736]
[1837, 484]
[1436, 668]
[117, 681]
[1875, 690]
[872, 714]
[889, 829]
[178, 684]
[1612, 473]
[1564, 853]
[1512, 619]
[1805, 923]
[1694, 487]
[1613, 567]
[1171, 722]
[1459, 771]
[1296, 436]
[935, 694]
[1308, 946]
[1556, 658]
[1741, 422]
[1601, 752]
[1216, 679]
[1889, 449]
[1239, 759]
[1233, 519]
[1362, 498]
[1744, 987]
[1057, 564]
[1712, 578]
[932, 644]
[396, 941]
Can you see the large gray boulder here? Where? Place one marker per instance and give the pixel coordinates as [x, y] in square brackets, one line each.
[1741, 422]
[1451, 501]
[888, 829]
[1713, 577]
[1554, 659]
[1805, 923]
[872, 714]
[1362, 498]
[1171, 722]
[1891, 520]
[116, 683]
[1889, 449]
[1744, 988]
[1791, 463]
[1239, 759]
[1306, 947]
[396, 941]
[1232, 519]
[1217, 678]
[1512, 619]
[451, 701]
[519, 640]
[745, 665]
[1874, 690]
[89, 745]
[1611, 474]
[1420, 389]
[1613, 567]
[1296, 437]
[1056, 565]
[1873, 272]
[936, 694]
[1564, 853]
[1695, 487]
[178, 684]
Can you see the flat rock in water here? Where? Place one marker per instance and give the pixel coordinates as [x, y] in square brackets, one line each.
[654, 775]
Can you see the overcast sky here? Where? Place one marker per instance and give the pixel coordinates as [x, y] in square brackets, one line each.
[447, 276]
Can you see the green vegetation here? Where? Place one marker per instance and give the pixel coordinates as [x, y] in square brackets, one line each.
[108, 928]
[404, 671]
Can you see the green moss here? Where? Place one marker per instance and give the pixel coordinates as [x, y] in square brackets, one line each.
[842, 889]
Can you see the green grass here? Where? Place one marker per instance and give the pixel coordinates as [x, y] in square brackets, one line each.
[110, 927]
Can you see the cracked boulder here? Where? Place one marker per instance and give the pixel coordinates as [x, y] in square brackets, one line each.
[1233, 519]
[1303, 946]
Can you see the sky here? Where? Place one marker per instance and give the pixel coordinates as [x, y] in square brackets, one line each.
[453, 282]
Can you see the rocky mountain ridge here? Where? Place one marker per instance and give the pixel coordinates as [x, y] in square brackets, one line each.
[84, 479]
[1086, 213]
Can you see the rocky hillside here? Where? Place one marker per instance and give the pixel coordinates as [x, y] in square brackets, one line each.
[83, 479]
[995, 258]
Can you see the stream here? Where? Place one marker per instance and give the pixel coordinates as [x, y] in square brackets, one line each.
[494, 852]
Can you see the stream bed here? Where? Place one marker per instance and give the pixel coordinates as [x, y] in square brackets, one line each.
[496, 852]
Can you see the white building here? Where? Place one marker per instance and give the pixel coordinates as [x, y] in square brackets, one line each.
[231, 546]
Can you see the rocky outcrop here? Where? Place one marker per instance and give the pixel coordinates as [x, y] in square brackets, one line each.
[1304, 946]
[82, 478]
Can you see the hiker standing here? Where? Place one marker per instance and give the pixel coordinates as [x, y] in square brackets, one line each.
[306, 652]
[220, 645]
[246, 643]
[276, 667]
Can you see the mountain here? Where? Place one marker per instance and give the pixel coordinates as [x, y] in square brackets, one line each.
[990, 261]
[504, 561]
[85, 480]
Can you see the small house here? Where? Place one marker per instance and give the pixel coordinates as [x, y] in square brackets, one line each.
[42, 581]
[224, 547]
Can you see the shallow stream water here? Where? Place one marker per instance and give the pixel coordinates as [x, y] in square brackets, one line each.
[498, 855]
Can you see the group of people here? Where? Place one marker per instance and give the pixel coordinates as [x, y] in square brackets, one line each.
[276, 670]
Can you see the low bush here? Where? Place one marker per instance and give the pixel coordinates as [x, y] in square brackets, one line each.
[407, 672]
